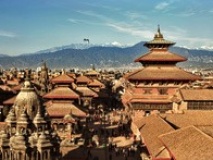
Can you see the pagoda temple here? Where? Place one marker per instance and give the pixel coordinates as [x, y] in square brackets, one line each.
[153, 86]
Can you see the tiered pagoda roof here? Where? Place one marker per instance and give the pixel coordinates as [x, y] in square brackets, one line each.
[96, 83]
[162, 73]
[64, 78]
[61, 93]
[86, 92]
[61, 108]
[92, 73]
[160, 64]
[83, 79]
[160, 55]
[158, 40]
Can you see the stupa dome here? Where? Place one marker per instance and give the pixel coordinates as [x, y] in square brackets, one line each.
[27, 100]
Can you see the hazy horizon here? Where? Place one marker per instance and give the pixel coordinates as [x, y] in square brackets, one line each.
[28, 26]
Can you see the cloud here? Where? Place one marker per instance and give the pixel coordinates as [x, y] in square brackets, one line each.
[187, 13]
[134, 15]
[180, 36]
[123, 27]
[131, 30]
[92, 14]
[4, 33]
[83, 21]
[109, 8]
[75, 21]
[162, 5]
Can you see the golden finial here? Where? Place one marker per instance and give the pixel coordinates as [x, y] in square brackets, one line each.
[159, 29]
[158, 34]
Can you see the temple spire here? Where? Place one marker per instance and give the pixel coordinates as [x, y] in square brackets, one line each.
[158, 28]
[158, 41]
[158, 34]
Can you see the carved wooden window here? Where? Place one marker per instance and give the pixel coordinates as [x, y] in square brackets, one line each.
[162, 91]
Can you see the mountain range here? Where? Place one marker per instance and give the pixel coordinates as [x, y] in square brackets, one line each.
[103, 57]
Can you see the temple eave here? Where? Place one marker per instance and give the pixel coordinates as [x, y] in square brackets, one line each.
[160, 60]
[60, 97]
[162, 79]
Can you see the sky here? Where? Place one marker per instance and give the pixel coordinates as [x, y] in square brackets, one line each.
[27, 26]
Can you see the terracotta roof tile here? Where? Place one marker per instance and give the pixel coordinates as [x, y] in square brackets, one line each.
[188, 143]
[190, 117]
[96, 83]
[159, 41]
[155, 101]
[83, 79]
[92, 72]
[64, 78]
[13, 82]
[86, 92]
[197, 94]
[206, 129]
[151, 127]
[60, 109]
[61, 93]
[18, 87]
[5, 88]
[10, 101]
[72, 75]
[159, 55]
[162, 73]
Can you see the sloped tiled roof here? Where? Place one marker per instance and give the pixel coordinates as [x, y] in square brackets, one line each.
[83, 79]
[151, 127]
[13, 82]
[10, 101]
[162, 73]
[202, 119]
[190, 117]
[155, 101]
[18, 87]
[189, 143]
[64, 78]
[72, 75]
[92, 72]
[196, 94]
[160, 56]
[62, 108]
[96, 83]
[86, 92]
[61, 93]
[5, 88]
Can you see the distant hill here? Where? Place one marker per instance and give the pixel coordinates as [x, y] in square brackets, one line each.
[101, 57]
